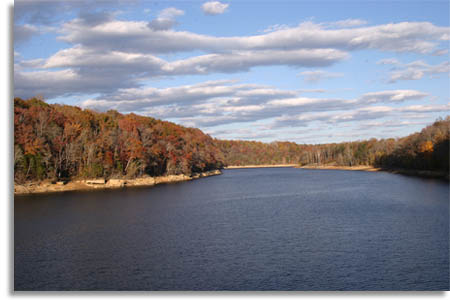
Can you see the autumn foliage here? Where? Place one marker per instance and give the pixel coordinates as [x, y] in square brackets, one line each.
[65, 142]
[427, 150]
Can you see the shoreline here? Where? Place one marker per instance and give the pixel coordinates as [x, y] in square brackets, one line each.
[98, 184]
[261, 166]
[418, 173]
[346, 168]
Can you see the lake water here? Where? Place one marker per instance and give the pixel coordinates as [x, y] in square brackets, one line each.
[248, 229]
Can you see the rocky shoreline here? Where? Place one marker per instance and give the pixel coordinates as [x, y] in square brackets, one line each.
[101, 183]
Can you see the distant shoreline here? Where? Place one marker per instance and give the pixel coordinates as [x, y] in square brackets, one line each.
[347, 168]
[367, 168]
[418, 173]
[96, 184]
[261, 166]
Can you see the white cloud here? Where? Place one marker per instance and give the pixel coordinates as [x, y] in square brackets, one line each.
[317, 75]
[445, 109]
[390, 123]
[130, 50]
[419, 37]
[392, 96]
[440, 52]
[225, 102]
[303, 119]
[341, 110]
[45, 83]
[81, 57]
[414, 70]
[165, 19]
[275, 27]
[170, 13]
[304, 102]
[214, 8]
[259, 132]
[205, 104]
[131, 68]
[349, 23]
[239, 61]
[304, 91]
[361, 115]
[133, 99]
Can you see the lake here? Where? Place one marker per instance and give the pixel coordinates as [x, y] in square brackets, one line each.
[247, 229]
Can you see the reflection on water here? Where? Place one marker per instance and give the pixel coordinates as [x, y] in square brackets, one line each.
[248, 229]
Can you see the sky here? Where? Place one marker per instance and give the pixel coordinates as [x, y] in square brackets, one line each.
[301, 71]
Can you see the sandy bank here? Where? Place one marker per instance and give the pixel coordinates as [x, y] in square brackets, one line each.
[261, 166]
[80, 185]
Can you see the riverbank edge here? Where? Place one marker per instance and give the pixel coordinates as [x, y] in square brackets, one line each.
[261, 166]
[418, 173]
[96, 184]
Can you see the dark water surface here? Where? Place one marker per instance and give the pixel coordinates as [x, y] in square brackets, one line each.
[248, 229]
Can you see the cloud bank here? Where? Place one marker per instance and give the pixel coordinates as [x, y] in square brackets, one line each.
[115, 59]
[102, 44]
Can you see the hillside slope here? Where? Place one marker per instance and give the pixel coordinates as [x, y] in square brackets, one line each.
[65, 142]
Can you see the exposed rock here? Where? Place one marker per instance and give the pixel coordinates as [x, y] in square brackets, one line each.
[172, 178]
[96, 181]
[20, 189]
[141, 181]
[116, 183]
[77, 185]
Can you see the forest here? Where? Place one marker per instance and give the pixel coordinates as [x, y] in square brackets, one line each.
[63, 142]
[426, 150]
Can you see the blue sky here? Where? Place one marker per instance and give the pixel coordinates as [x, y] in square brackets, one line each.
[302, 71]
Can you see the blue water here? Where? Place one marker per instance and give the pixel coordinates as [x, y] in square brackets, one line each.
[248, 229]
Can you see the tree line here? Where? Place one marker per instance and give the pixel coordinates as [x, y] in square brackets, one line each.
[59, 142]
[426, 150]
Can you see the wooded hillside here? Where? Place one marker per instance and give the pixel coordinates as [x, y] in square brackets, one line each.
[65, 142]
[240, 153]
[62, 141]
[427, 150]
